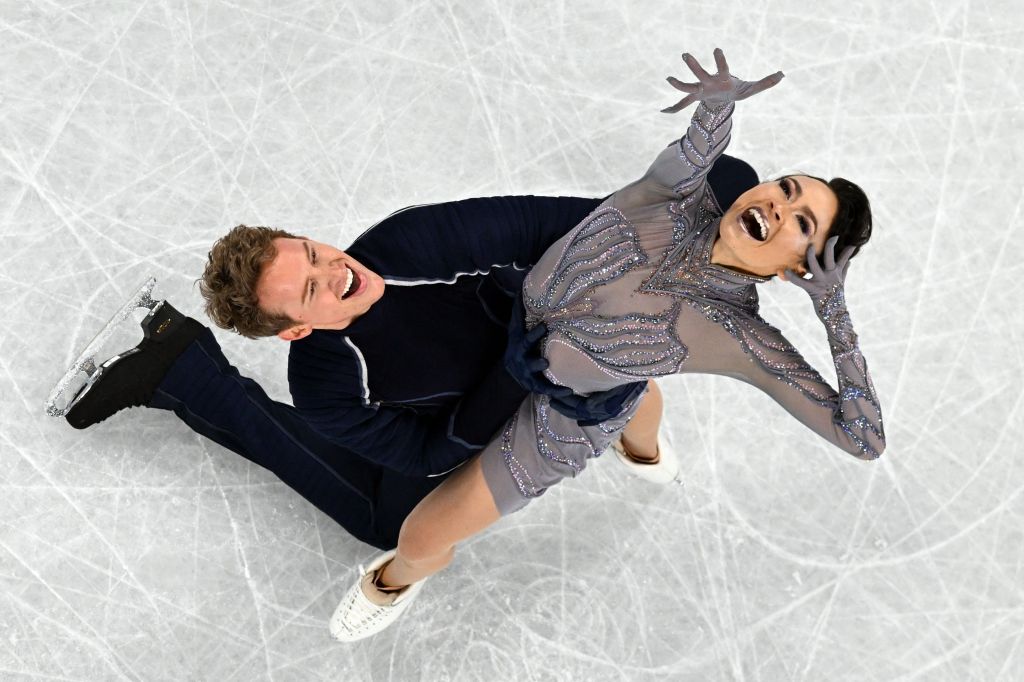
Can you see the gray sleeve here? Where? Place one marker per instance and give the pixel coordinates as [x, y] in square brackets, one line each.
[849, 418]
[683, 166]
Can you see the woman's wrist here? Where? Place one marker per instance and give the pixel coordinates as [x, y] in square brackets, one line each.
[830, 307]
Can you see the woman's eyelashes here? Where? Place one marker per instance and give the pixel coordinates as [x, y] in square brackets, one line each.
[805, 226]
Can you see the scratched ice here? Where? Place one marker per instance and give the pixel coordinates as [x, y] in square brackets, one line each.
[133, 134]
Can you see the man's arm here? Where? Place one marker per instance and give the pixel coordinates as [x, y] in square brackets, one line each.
[440, 242]
[464, 237]
[327, 375]
[505, 236]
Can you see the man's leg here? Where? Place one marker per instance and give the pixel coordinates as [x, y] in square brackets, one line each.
[214, 400]
[208, 394]
[179, 366]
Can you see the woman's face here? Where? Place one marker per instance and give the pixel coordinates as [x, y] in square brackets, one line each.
[769, 227]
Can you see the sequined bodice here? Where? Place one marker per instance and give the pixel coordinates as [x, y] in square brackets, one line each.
[603, 263]
[631, 293]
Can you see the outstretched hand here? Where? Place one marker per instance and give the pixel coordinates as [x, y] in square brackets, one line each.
[823, 280]
[721, 88]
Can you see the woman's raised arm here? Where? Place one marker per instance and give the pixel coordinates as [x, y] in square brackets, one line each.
[682, 166]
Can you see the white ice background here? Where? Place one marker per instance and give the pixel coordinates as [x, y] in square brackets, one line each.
[132, 134]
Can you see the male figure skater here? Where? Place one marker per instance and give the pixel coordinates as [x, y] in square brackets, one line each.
[397, 362]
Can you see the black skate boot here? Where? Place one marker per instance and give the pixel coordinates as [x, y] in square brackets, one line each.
[130, 378]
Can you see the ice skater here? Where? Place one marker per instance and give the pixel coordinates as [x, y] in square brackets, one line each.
[396, 363]
[656, 280]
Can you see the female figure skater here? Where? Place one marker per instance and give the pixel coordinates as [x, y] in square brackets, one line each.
[655, 281]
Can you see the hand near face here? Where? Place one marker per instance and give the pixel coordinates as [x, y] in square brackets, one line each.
[718, 89]
[822, 279]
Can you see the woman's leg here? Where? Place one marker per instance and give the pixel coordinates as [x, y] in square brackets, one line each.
[457, 509]
[503, 478]
[640, 437]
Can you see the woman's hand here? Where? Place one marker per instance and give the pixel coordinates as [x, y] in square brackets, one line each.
[719, 89]
[822, 281]
[826, 288]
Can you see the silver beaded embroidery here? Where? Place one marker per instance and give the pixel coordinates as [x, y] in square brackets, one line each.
[601, 250]
[605, 247]
[630, 346]
[639, 346]
[831, 308]
[679, 211]
[520, 473]
[545, 435]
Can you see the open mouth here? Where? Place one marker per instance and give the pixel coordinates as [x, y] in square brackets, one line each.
[754, 224]
[352, 285]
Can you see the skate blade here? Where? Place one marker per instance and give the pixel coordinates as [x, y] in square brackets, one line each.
[84, 372]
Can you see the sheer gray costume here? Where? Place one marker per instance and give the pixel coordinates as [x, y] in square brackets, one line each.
[630, 294]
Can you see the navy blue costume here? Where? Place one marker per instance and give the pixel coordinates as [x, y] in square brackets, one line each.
[416, 385]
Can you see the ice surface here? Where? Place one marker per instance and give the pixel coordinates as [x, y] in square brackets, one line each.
[134, 134]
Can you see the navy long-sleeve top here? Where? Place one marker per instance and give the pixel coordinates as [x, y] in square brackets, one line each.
[417, 383]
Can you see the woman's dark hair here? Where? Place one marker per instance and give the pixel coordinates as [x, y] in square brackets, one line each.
[852, 223]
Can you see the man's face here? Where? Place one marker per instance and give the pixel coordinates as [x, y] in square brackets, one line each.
[316, 285]
[797, 212]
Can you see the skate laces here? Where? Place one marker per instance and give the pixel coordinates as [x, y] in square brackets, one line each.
[359, 611]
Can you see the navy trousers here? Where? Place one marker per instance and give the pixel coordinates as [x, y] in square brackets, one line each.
[209, 394]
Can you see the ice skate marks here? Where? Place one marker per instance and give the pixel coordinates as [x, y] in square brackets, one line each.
[79, 378]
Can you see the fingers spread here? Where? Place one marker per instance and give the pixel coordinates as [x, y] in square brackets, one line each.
[681, 104]
[796, 279]
[830, 253]
[847, 254]
[766, 82]
[697, 69]
[723, 66]
[844, 261]
[680, 85]
[812, 262]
